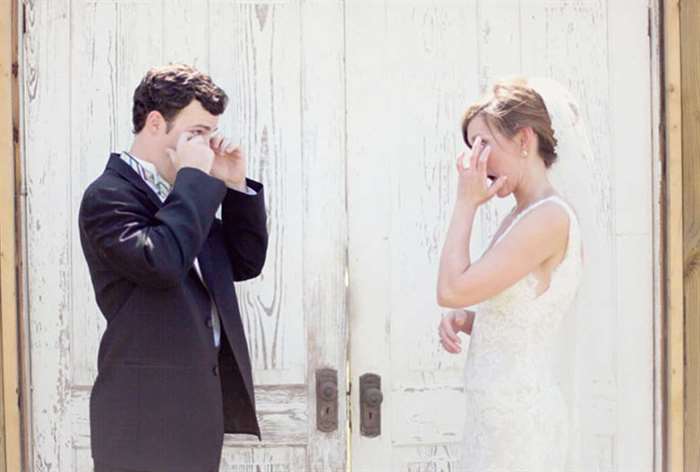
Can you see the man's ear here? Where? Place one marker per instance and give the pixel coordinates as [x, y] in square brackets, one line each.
[155, 123]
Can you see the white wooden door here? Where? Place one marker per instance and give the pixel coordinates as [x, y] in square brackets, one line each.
[350, 114]
[413, 66]
[281, 63]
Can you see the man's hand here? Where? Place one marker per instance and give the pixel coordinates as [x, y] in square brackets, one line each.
[192, 151]
[451, 324]
[229, 163]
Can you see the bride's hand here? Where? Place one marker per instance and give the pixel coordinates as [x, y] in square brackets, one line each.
[473, 186]
[452, 323]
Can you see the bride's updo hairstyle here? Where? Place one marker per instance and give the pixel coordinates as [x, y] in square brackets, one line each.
[510, 106]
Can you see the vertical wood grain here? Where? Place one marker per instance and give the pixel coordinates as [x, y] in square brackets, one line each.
[659, 228]
[690, 93]
[568, 42]
[630, 108]
[256, 57]
[47, 80]
[83, 60]
[410, 74]
[675, 348]
[324, 216]
[92, 126]
[579, 44]
[10, 448]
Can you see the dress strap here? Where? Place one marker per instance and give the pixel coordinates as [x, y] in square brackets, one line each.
[528, 210]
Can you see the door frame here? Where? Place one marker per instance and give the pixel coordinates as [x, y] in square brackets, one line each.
[10, 247]
[672, 197]
[682, 103]
[667, 96]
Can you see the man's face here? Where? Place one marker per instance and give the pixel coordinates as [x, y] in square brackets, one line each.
[195, 119]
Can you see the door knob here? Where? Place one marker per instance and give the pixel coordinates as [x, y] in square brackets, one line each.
[371, 398]
[327, 400]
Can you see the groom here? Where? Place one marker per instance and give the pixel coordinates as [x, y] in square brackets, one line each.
[174, 372]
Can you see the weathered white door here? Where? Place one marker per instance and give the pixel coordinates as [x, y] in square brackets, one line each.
[281, 63]
[350, 114]
[412, 68]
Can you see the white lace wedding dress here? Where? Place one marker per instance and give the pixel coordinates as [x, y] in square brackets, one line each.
[516, 417]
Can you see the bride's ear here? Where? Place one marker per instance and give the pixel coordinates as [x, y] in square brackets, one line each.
[527, 140]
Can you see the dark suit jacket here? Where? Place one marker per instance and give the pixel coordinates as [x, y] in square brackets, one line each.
[164, 394]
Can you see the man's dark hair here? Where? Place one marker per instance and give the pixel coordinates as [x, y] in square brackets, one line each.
[171, 88]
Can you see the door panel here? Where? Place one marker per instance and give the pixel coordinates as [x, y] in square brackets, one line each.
[424, 62]
[83, 60]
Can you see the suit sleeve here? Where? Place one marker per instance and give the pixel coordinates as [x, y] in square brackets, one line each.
[151, 250]
[245, 230]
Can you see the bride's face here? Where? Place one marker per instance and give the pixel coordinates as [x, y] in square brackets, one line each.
[505, 158]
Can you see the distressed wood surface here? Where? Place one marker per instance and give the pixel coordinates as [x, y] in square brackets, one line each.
[410, 58]
[398, 139]
[10, 252]
[659, 225]
[49, 243]
[350, 116]
[290, 122]
[674, 244]
[690, 88]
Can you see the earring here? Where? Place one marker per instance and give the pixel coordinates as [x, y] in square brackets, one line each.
[524, 153]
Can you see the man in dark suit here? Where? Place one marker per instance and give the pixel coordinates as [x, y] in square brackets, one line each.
[174, 373]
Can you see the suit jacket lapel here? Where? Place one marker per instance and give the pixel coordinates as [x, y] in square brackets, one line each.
[116, 164]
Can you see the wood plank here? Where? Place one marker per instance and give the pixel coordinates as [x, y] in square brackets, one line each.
[92, 125]
[187, 33]
[675, 351]
[659, 228]
[568, 42]
[631, 131]
[282, 65]
[139, 47]
[255, 56]
[499, 55]
[324, 216]
[10, 442]
[409, 57]
[690, 93]
[48, 151]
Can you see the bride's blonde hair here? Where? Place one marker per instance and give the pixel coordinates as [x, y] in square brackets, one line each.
[511, 105]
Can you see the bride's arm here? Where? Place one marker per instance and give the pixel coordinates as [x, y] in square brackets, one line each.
[539, 235]
[455, 258]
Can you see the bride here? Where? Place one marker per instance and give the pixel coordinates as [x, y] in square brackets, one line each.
[525, 281]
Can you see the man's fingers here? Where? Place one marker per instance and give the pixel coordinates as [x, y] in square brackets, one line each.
[231, 148]
[216, 141]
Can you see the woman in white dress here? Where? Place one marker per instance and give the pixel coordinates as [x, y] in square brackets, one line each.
[524, 283]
